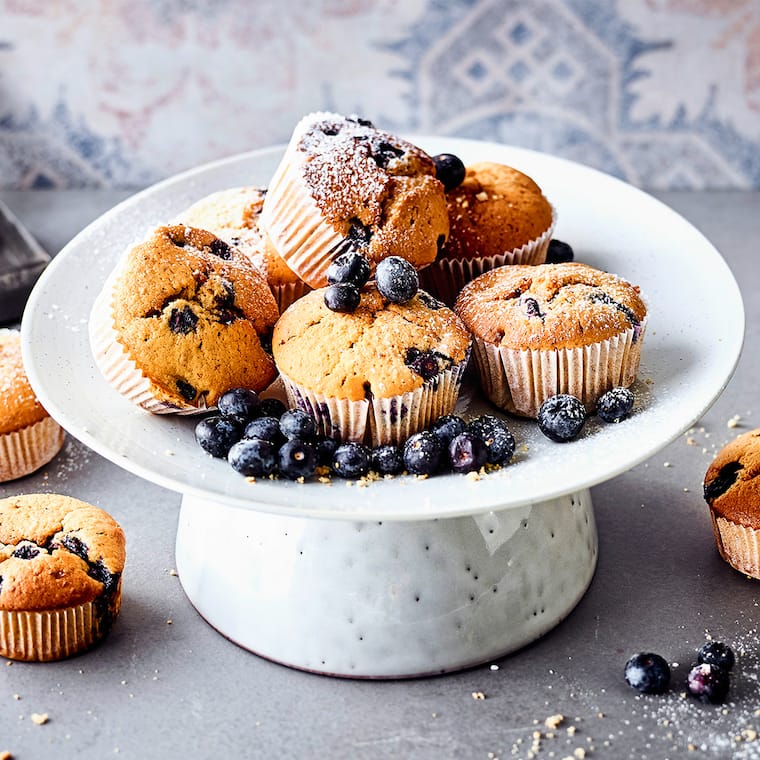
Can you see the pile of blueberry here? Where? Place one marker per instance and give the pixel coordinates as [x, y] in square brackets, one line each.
[708, 679]
[262, 438]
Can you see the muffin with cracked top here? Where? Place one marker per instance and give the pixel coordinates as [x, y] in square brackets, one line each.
[377, 374]
[183, 318]
[552, 328]
[343, 184]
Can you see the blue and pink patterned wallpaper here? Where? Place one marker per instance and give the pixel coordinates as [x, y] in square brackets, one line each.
[120, 93]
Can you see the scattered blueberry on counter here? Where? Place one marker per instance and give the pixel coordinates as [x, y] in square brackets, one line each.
[648, 673]
[615, 405]
[561, 417]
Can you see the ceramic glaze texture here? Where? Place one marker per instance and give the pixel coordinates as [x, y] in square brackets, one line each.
[388, 599]
[96, 96]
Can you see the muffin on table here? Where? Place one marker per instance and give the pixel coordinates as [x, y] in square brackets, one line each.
[29, 436]
[344, 184]
[183, 318]
[61, 563]
[540, 330]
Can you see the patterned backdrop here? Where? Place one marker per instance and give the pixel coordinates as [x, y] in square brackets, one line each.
[120, 93]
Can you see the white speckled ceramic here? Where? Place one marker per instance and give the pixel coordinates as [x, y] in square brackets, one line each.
[384, 599]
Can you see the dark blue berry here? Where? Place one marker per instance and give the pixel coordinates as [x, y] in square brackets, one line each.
[449, 170]
[726, 477]
[708, 683]
[396, 279]
[497, 437]
[350, 267]
[183, 321]
[558, 252]
[266, 428]
[324, 446]
[648, 673]
[531, 308]
[239, 404]
[221, 249]
[296, 459]
[427, 364]
[342, 297]
[351, 460]
[422, 453]
[615, 405]
[253, 457]
[387, 459]
[561, 417]
[215, 435]
[467, 452]
[447, 426]
[295, 423]
[716, 653]
[186, 390]
[272, 407]
[26, 551]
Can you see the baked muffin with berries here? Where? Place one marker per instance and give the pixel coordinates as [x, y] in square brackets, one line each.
[343, 184]
[183, 317]
[375, 374]
[541, 330]
[498, 215]
[234, 215]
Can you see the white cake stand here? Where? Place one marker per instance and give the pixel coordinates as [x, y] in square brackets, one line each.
[403, 577]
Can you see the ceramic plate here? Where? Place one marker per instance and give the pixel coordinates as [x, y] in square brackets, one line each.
[693, 342]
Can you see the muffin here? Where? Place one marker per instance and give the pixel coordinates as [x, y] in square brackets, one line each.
[234, 215]
[552, 328]
[732, 491]
[375, 375]
[61, 562]
[344, 184]
[183, 318]
[29, 437]
[498, 216]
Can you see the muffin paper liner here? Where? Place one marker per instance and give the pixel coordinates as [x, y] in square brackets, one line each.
[446, 277]
[26, 450]
[739, 545]
[378, 421]
[519, 381]
[45, 635]
[288, 293]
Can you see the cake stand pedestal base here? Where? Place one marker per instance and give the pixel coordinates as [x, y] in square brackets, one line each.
[386, 599]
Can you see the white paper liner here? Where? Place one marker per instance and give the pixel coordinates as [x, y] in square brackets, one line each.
[446, 277]
[739, 545]
[42, 636]
[519, 381]
[378, 421]
[115, 364]
[26, 450]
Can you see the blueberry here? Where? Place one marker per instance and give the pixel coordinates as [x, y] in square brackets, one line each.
[447, 426]
[422, 453]
[239, 404]
[296, 459]
[615, 405]
[558, 252]
[26, 551]
[708, 683]
[387, 459]
[716, 653]
[396, 279]
[186, 390]
[215, 435]
[349, 267]
[343, 296]
[272, 407]
[467, 452]
[449, 169]
[427, 364]
[726, 477]
[351, 460]
[497, 437]
[561, 417]
[266, 428]
[648, 673]
[183, 321]
[295, 423]
[324, 446]
[531, 308]
[253, 457]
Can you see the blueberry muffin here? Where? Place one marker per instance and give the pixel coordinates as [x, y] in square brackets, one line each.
[29, 437]
[234, 216]
[498, 216]
[184, 318]
[344, 184]
[732, 491]
[377, 374]
[552, 328]
[61, 563]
